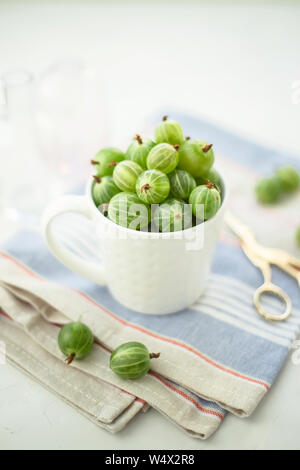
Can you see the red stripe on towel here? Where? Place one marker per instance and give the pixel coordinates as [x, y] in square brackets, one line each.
[187, 397]
[149, 333]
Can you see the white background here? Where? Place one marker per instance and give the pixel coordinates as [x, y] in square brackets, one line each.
[233, 64]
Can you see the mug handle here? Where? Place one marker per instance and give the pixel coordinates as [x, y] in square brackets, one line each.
[77, 204]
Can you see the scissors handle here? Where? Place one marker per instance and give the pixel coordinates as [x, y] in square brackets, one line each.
[268, 287]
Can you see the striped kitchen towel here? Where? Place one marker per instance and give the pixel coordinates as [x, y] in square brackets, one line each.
[217, 355]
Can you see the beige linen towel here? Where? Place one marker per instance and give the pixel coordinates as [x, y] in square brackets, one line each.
[36, 309]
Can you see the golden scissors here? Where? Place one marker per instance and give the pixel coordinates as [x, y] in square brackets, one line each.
[263, 257]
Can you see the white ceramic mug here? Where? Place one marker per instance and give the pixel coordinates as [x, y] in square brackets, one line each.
[149, 272]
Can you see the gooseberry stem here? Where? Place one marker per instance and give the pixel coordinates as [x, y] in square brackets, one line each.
[139, 139]
[97, 179]
[93, 162]
[145, 188]
[70, 359]
[154, 355]
[209, 184]
[113, 163]
[207, 147]
[165, 118]
[176, 147]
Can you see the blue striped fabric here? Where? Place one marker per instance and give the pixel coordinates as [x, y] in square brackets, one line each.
[223, 325]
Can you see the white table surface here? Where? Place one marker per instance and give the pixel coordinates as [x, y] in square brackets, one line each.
[233, 65]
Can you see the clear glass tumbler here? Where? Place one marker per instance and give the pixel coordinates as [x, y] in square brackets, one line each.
[22, 192]
[71, 119]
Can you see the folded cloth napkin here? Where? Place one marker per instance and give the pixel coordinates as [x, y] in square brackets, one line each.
[217, 355]
[107, 406]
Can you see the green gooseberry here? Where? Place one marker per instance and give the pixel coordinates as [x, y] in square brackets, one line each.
[182, 184]
[268, 190]
[206, 197]
[103, 190]
[138, 151]
[75, 340]
[196, 157]
[125, 175]
[153, 186]
[173, 215]
[169, 131]
[128, 210]
[212, 176]
[288, 178]
[131, 360]
[163, 157]
[106, 160]
[297, 237]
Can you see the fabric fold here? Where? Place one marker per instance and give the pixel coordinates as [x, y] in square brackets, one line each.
[105, 405]
[40, 321]
[179, 362]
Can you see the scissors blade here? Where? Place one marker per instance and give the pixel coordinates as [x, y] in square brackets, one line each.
[258, 261]
[239, 228]
[260, 255]
[280, 256]
[282, 260]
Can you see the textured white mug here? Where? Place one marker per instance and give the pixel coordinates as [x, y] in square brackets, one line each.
[149, 272]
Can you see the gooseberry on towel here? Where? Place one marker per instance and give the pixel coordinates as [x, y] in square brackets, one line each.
[131, 360]
[268, 190]
[75, 341]
[288, 178]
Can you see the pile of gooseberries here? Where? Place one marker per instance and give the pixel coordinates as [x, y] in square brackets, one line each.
[152, 183]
